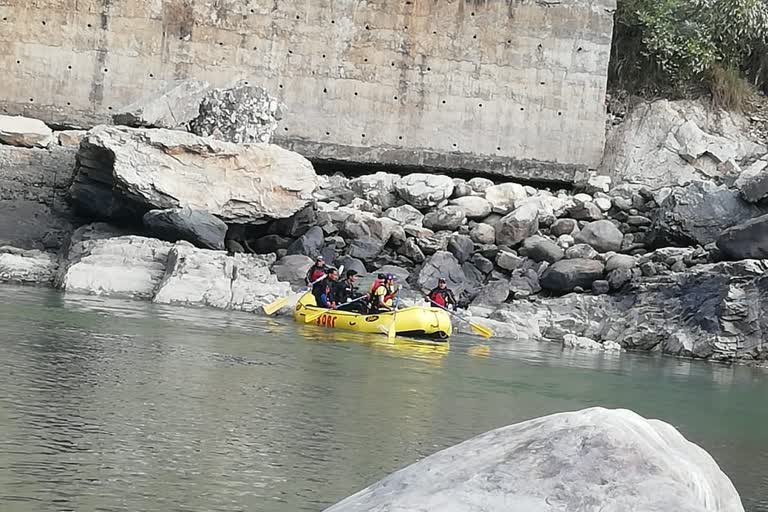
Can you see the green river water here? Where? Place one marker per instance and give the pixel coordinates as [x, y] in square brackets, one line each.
[115, 405]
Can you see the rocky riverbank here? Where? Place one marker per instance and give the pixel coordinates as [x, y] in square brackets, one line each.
[665, 248]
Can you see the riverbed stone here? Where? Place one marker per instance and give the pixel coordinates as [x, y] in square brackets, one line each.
[586, 211]
[524, 282]
[508, 260]
[581, 251]
[27, 266]
[483, 234]
[379, 188]
[580, 342]
[565, 275]
[448, 218]
[602, 235]
[125, 266]
[480, 185]
[564, 227]
[492, 294]
[482, 263]
[560, 462]
[424, 190]
[308, 244]
[518, 225]
[620, 261]
[461, 247]
[405, 215]
[475, 207]
[24, 132]
[539, 248]
[442, 264]
[292, 268]
[365, 249]
[503, 197]
[195, 226]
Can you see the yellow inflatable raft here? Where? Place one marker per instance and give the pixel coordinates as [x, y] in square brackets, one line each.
[414, 321]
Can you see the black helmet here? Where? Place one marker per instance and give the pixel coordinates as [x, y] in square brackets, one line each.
[441, 280]
[381, 276]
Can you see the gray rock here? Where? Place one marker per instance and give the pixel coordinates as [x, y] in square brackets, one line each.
[638, 220]
[622, 203]
[480, 185]
[424, 190]
[621, 276]
[27, 267]
[120, 168]
[579, 342]
[581, 251]
[405, 215]
[461, 188]
[24, 132]
[748, 240]
[243, 114]
[492, 294]
[753, 181]
[172, 108]
[524, 282]
[508, 260]
[602, 235]
[482, 263]
[518, 225]
[195, 226]
[560, 462]
[586, 211]
[28, 224]
[308, 244]
[539, 248]
[461, 247]
[504, 197]
[350, 263]
[563, 227]
[483, 234]
[473, 281]
[441, 264]
[601, 287]
[270, 243]
[297, 224]
[620, 261]
[448, 218]
[378, 188]
[475, 207]
[366, 249]
[411, 250]
[565, 241]
[698, 213]
[565, 275]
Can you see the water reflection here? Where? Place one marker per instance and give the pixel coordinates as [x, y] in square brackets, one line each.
[120, 405]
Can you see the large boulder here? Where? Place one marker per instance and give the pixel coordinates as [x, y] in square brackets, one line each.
[594, 459]
[673, 143]
[539, 248]
[565, 275]
[32, 225]
[125, 266]
[24, 132]
[483, 233]
[492, 294]
[308, 244]
[753, 182]
[405, 215]
[173, 107]
[350, 263]
[196, 277]
[698, 213]
[27, 267]
[196, 226]
[475, 207]
[461, 247]
[748, 240]
[122, 171]
[448, 218]
[503, 197]
[378, 188]
[602, 235]
[424, 190]
[442, 264]
[518, 225]
[292, 268]
[297, 224]
[524, 282]
[243, 114]
[365, 249]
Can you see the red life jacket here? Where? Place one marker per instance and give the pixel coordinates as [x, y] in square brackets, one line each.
[316, 274]
[438, 297]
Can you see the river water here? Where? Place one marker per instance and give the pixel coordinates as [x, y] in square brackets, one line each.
[115, 405]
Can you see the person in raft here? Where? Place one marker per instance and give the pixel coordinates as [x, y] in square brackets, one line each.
[442, 295]
[324, 291]
[384, 295]
[380, 278]
[316, 271]
[346, 293]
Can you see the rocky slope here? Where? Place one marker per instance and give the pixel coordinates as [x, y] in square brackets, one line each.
[610, 260]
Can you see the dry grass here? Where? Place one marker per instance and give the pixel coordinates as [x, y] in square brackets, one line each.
[728, 89]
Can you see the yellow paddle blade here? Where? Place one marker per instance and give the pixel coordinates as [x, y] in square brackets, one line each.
[311, 317]
[482, 331]
[275, 306]
[479, 351]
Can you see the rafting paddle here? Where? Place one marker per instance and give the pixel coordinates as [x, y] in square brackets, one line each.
[485, 332]
[392, 331]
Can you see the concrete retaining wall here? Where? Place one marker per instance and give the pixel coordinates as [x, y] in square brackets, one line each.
[510, 87]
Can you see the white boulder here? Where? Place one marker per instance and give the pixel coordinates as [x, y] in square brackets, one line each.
[24, 132]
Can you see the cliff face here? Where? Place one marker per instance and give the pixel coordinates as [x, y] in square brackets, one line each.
[479, 86]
